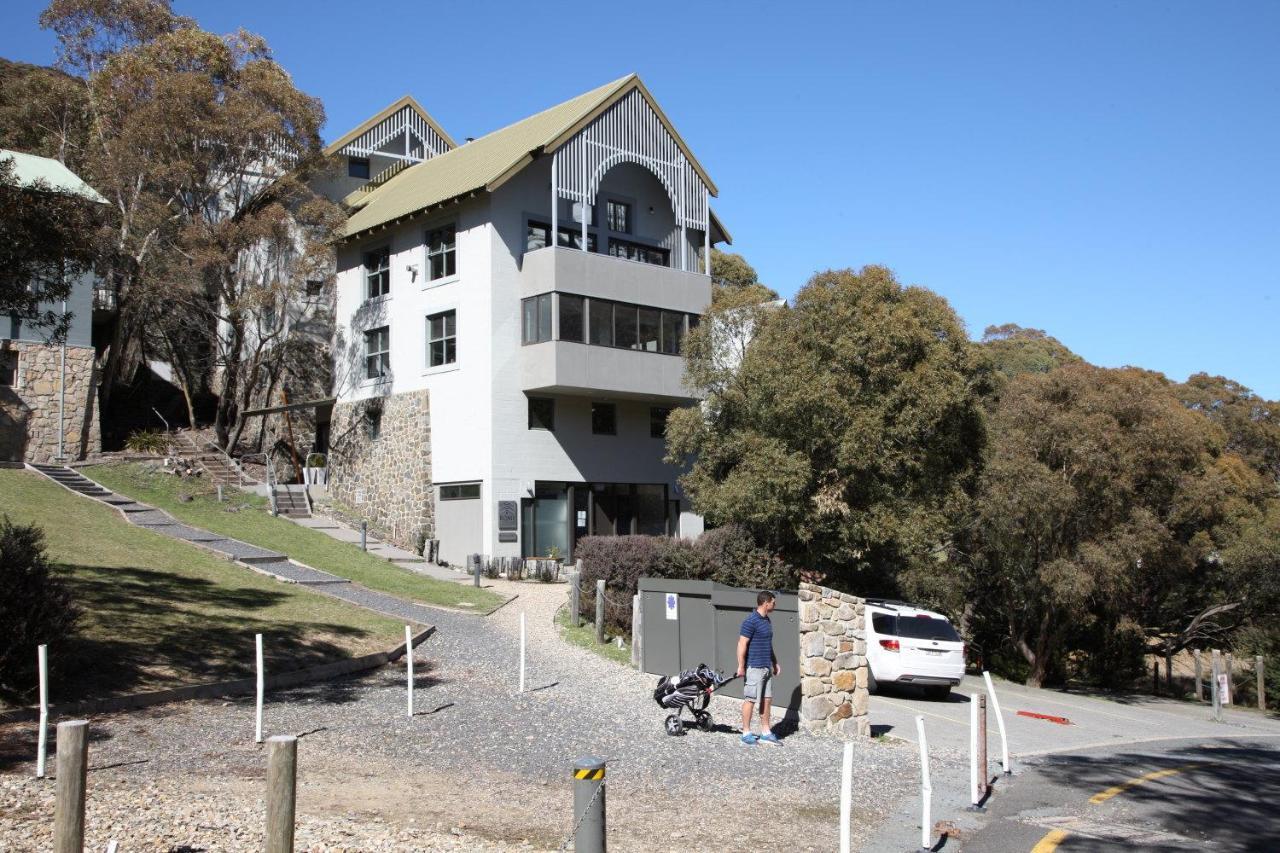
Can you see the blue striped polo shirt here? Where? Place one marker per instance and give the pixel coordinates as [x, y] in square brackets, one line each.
[759, 633]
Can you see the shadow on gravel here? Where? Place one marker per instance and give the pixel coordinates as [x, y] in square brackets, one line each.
[1227, 790]
[18, 743]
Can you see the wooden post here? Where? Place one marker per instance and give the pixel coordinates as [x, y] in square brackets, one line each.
[1195, 654]
[1262, 683]
[1214, 685]
[1229, 699]
[575, 591]
[73, 764]
[42, 739]
[983, 768]
[282, 777]
[600, 611]
[1155, 678]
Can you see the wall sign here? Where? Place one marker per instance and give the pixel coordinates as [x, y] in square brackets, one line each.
[673, 606]
[508, 515]
[506, 536]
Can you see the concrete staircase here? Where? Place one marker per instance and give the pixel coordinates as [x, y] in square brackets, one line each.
[74, 481]
[215, 465]
[291, 501]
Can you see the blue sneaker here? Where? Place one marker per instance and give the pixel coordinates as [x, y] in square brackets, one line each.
[769, 738]
[749, 739]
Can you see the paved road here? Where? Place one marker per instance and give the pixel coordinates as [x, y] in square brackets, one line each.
[1045, 754]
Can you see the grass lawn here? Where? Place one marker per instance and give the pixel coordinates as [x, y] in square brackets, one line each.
[585, 636]
[245, 517]
[159, 613]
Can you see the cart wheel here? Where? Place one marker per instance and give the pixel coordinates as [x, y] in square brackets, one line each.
[674, 726]
[704, 721]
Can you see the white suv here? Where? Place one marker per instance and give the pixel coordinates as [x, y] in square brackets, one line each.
[907, 645]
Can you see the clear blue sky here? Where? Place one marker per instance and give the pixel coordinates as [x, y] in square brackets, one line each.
[1107, 171]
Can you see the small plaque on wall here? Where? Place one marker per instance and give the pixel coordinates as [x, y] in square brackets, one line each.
[507, 536]
[508, 515]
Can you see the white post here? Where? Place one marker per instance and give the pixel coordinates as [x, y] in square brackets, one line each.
[975, 795]
[42, 661]
[553, 239]
[257, 727]
[846, 796]
[522, 645]
[926, 789]
[635, 630]
[408, 666]
[995, 706]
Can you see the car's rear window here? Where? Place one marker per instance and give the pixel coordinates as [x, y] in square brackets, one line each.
[914, 627]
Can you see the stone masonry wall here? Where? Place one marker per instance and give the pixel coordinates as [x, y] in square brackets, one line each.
[386, 480]
[29, 408]
[833, 663]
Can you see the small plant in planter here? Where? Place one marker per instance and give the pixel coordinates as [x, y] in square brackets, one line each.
[316, 474]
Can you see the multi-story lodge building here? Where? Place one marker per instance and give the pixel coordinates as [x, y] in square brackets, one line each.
[509, 320]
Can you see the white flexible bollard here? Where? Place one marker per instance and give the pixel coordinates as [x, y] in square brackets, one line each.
[257, 725]
[995, 706]
[926, 789]
[42, 745]
[522, 648]
[408, 666]
[846, 796]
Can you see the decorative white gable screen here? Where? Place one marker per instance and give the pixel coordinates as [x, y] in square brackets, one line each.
[630, 131]
[420, 139]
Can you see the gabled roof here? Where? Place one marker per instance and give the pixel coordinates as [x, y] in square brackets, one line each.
[406, 101]
[486, 163]
[29, 168]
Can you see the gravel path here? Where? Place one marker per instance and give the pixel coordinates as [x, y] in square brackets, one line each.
[478, 759]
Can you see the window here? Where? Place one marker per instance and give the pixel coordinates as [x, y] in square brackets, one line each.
[637, 252]
[672, 332]
[377, 272]
[650, 329]
[377, 353]
[536, 237]
[572, 325]
[358, 167]
[442, 338]
[461, 492]
[542, 413]
[8, 368]
[658, 422]
[604, 419]
[619, 216]
[315, 288]
[373, 420]
[600, 328]
[624, 325]
[442, 253]
[537, 319]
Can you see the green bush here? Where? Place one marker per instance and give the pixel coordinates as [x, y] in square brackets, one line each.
[316, 460]
[35, 607]
[148, 441]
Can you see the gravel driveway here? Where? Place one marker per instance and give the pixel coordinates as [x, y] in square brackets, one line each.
[479, 762]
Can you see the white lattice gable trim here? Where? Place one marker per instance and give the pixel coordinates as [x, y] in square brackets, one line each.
[422, 138]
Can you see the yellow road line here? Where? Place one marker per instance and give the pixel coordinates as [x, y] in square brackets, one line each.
[1050, 842]
[1103, 796]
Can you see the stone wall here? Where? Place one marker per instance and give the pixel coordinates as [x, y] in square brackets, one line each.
[29, 408]
[385, 480]
[833, 663]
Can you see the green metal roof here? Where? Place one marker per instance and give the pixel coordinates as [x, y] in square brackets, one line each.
[30, 168]
[485, 163]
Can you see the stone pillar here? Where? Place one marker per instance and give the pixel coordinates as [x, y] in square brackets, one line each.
[833, 663]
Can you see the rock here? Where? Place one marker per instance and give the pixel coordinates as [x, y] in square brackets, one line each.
[843, 711]
[850, 599]
[843, 679]
[816, 666]
[845, 613]
[813, 686]
[848, 660]
[825, 611]
[829, 654]
[806, 594]
[829, 627]
[846, 645]
[861, 678]
[816, 708]
[809, 612]
[859, 647]
[852, 727]
[812, 645]
[860, 699]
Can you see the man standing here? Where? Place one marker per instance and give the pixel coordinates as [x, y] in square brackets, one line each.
[758, 665]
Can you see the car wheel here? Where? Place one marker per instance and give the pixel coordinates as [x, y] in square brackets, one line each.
[937, 693]
[871, 681]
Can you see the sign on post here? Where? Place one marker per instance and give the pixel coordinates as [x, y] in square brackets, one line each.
[1224, 688]
[673, 606]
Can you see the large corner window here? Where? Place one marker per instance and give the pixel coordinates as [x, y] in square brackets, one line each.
[537, 236]
[442, 338]
[377, 353]
[542, 413]
[377, 273]
[442, 253]
[537, 319]
[639, 252]
[618, 215]
[573, 322]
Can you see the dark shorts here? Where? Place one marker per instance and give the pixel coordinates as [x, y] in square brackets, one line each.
[758, 679]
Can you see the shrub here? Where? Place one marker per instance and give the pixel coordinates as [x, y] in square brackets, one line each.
[148, 441]
[35, 608]
[730, 556]
[315, 460]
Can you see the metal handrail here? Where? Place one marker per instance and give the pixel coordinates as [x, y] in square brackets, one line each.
[271, 477]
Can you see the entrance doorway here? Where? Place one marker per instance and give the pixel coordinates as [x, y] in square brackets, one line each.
[559, 514]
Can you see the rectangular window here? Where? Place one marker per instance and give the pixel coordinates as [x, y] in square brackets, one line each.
[658, 422]
[604, 419]
[377, 353]
[600, 328]
[358, 167]
[572, 326]
[8, 368]
[572, 237]
[442, 253]
[461, 492]
[536, 237]
[672, 332]
[442, 338]
[315, 288]
[638, 252]
[542, 413]
[619, 216]
[536, 323]
[650, 329]
[377, 272]
[625, 326]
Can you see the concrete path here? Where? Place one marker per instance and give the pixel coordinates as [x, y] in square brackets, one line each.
[407, 560]
[252, 557]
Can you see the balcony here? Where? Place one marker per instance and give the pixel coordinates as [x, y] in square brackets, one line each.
[588, 274]
[564, 367]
